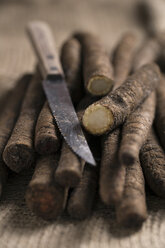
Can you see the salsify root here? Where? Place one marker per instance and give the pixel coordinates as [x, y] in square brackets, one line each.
[148, 52]
[135, 130]
[160, 115]
[82, 198]
[131, 211]
[136, 127]
[112, 110]
[112, 172]
[44, 197]
[47, 137]
[7, 121]
[19, 152]
[71, 59]
[97, 69]
[153, 163]
[123, 58]
[70, 167]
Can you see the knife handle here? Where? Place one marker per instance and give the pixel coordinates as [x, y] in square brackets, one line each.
[43, 44]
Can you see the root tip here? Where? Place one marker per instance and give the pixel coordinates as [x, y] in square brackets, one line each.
[127, 158]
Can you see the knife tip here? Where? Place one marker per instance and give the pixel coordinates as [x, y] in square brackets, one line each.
[91, 160]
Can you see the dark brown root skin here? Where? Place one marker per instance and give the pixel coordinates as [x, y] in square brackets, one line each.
[44, 197]
[123, 57]
[46, 144]
[19, 151]
[112, 174]
[131, 211]
[71, 63]
[135, 130]
[8, 119]
[82, 197]
[148, 52]
[118, 105]
[153, 163]
[160, 115]
[70, 168]
[137, 125]
[47, 137]
[97, 69]
[68, 178]
[11, 110]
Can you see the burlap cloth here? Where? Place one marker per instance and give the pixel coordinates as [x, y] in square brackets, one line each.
[19, 228]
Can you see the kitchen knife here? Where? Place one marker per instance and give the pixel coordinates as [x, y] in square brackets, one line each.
[56, 90]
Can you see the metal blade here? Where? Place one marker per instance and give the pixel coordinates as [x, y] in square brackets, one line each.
[64, 113]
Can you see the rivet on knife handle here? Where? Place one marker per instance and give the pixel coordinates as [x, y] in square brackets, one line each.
[56, 90]
[42, 40]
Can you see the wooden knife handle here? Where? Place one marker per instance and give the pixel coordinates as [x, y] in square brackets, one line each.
[43, 44]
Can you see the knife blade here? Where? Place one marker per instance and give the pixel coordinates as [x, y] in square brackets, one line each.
[56, 90]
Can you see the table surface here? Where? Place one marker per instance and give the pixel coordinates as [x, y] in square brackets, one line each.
[18, 226]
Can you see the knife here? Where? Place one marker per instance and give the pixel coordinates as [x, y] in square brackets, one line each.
[56, 90]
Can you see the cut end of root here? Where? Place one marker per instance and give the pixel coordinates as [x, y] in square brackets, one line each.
[18, 157]
[97, 119]
[99, 85]
[44, 202]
